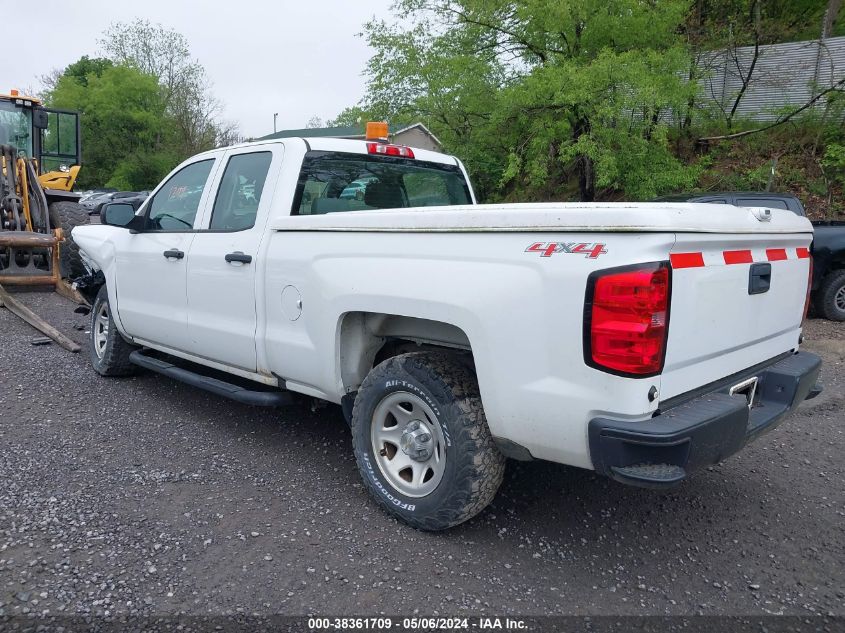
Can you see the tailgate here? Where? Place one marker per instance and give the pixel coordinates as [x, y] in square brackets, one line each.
[721, 320]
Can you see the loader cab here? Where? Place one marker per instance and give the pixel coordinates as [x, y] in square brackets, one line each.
[49, 136]
[16, 127]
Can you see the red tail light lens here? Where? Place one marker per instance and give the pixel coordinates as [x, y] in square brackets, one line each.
[628, 319]
[390, 150]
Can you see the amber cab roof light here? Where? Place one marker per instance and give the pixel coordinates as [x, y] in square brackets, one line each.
[377, 131]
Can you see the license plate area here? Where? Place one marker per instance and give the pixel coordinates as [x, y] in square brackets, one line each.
[747, 388]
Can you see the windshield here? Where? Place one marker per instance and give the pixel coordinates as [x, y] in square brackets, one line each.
[332, 182]
[16, 128]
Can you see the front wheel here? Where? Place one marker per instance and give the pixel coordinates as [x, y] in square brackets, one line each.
[422, 443]
[109, 350]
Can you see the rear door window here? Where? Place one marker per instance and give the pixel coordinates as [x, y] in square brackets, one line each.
[772, 203]
[332, 182]
[240, 191]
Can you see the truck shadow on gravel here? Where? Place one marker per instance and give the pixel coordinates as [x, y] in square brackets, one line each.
[550, 500]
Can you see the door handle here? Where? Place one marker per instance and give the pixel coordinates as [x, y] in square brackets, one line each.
[175, 254]
[759, 278]
[238, 256]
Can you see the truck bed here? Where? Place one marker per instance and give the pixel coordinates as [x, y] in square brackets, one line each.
[490, 272]
[646, 217]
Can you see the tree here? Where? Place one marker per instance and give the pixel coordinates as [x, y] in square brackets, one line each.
[145, 107]
[124, 127]
[186, 90]
[542, 89]
[80, 70]
[354, 115]
[718, 23]
[86, 67]
[154, 50]
[829, 19]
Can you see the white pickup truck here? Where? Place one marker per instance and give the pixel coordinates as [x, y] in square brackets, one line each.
[643, 341]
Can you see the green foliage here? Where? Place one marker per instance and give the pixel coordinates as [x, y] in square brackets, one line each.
[758, 178]
[531, 92]
[354, 115]
[122, 119]
[576, 98]
[723, 22]
[144, 109]
[142, 170]
[85, 66]
[833, 162]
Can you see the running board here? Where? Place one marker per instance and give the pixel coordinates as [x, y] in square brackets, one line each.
[214, 385]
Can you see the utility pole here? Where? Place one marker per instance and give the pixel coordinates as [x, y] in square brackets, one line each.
[275, 114]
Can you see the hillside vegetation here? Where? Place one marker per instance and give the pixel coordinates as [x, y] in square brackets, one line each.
[600, 101]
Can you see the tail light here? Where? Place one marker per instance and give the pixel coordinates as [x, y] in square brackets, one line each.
[390, 150]
[809, 289]
[627, 319]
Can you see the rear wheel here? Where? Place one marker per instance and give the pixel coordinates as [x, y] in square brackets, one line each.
[109, 350]
[830, 297]
[422, 443]
[66, 215]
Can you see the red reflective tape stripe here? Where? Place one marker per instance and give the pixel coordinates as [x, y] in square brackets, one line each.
[803, 253]
[738, 257]
[686, 260]
[776, 254]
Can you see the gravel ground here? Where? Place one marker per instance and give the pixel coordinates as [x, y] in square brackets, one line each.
[143, 496]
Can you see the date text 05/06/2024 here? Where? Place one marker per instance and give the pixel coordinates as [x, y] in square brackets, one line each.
[416, 623]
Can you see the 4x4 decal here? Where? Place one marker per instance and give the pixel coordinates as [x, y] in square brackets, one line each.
[547, 249]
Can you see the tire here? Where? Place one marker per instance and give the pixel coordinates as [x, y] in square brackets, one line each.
[439, 418]
[67, 215]
[830, 297]
[109, 350]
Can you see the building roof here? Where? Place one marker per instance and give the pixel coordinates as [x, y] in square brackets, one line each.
[353, 131]
[422, 127]
[337, 132]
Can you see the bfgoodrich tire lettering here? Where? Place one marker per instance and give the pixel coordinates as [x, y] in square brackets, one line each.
[473, 467]
[109, 350]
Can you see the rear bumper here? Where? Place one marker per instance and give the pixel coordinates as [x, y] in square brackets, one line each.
[663, 451]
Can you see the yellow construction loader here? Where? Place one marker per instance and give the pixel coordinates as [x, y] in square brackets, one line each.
[39, 163]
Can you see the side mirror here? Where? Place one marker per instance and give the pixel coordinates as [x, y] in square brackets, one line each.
[40, 120]
[117, 214]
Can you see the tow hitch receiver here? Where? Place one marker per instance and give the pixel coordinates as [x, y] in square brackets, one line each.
[748, 388]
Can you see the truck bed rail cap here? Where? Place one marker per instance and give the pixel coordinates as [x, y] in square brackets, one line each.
[638, 217]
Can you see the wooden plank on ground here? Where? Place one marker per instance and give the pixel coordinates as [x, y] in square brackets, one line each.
[69, 292]
[16, 307]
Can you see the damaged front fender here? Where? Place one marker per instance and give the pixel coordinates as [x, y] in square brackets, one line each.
[89, 285]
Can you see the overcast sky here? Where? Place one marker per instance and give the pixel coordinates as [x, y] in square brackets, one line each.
[297, 58]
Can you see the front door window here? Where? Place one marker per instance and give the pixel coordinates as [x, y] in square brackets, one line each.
[174, 206]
